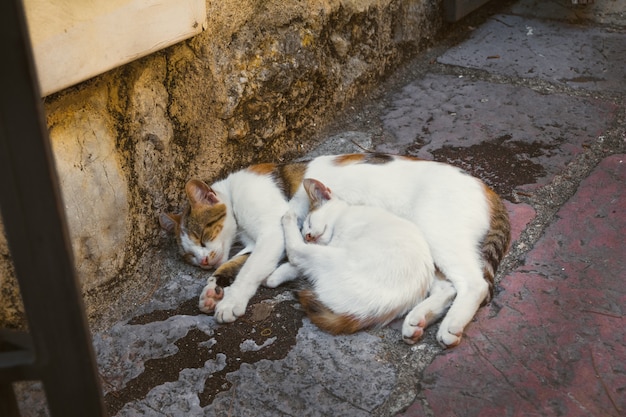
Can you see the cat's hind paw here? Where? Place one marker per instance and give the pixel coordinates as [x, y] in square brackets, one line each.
[449, 337]
[284, 273]
[413, 329]
[209, 297]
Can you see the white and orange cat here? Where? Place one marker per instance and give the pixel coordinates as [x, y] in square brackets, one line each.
[464, 223]
[367, 266]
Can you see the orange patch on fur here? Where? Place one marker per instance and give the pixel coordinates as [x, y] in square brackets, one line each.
[349, 159]
[496, 242]
[334, 323]
[262, 169]
[499, 217]
[410, 158]
[373, 158]
[227, 272]
[292, 175]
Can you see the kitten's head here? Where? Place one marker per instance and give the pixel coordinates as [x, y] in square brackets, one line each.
[318, 226]
[204, 230]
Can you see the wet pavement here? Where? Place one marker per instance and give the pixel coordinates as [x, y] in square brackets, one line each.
[530, 98]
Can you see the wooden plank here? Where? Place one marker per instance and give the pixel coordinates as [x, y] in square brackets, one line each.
[74, 40]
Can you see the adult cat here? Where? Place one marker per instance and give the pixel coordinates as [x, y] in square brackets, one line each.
[464, 223]
[367, 265]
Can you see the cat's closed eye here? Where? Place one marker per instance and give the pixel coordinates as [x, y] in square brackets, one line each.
[211, 233]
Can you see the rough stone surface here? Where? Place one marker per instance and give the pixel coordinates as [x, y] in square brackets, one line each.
[253, 87]
[527, 48]
[610, 13]
[433, 119]
[550, 342]
[93, 184]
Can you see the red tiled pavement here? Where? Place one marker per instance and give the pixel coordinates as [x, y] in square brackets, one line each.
[552, 342]
[520, 215]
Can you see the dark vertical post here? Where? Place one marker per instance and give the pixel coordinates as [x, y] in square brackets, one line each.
[8, 405]
[35, 225]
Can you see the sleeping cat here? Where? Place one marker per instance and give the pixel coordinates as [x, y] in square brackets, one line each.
[367, 266]
[464, 223]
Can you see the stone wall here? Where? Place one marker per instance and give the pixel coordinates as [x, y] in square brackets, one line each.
[255, 86]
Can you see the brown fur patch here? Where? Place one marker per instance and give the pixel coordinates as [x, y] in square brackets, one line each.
[373, 158]
[326, 319]
[498, 238]
[410, 158]
[206, 222]
[378, 158]
[262, 169]
[290, 177]
[349, 159]
[334, 323]
[226, 273]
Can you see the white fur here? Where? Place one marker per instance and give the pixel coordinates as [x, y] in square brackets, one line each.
[366, 262]
[255, 205]
[448, 206]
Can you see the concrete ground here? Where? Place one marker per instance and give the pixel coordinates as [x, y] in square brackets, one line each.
[529, 97]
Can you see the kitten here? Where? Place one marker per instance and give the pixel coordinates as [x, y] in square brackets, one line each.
[367, 266]
[464, 223]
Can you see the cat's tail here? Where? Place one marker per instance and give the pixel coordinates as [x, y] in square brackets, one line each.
[497, 240]
[334, 323]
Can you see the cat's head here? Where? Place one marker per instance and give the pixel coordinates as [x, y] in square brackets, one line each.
[204, 230]
[318, 227]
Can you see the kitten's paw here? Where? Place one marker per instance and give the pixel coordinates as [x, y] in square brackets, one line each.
[230, 308]
[289, 217]
[209, 297]
[449, 336]
[413, 329]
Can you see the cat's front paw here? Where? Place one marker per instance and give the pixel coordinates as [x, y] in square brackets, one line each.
[210, 296]
[289, 218]
[230, 307]
[413, 328]
[449, 335]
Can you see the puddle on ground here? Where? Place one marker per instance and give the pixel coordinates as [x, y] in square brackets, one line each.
[267, 331]
[502, 164]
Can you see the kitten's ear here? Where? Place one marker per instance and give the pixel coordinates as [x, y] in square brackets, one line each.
[318, 192]
[169, 221]
[199, 193]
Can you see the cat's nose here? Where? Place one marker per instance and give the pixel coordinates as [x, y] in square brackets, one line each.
[210, 260]
[309, 238]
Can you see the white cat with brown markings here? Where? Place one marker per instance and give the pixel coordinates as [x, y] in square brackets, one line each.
[367, 266]
[464, 223]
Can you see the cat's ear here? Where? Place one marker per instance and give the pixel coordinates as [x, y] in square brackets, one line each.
[169, 221]
[199, 193]
[318, 193]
